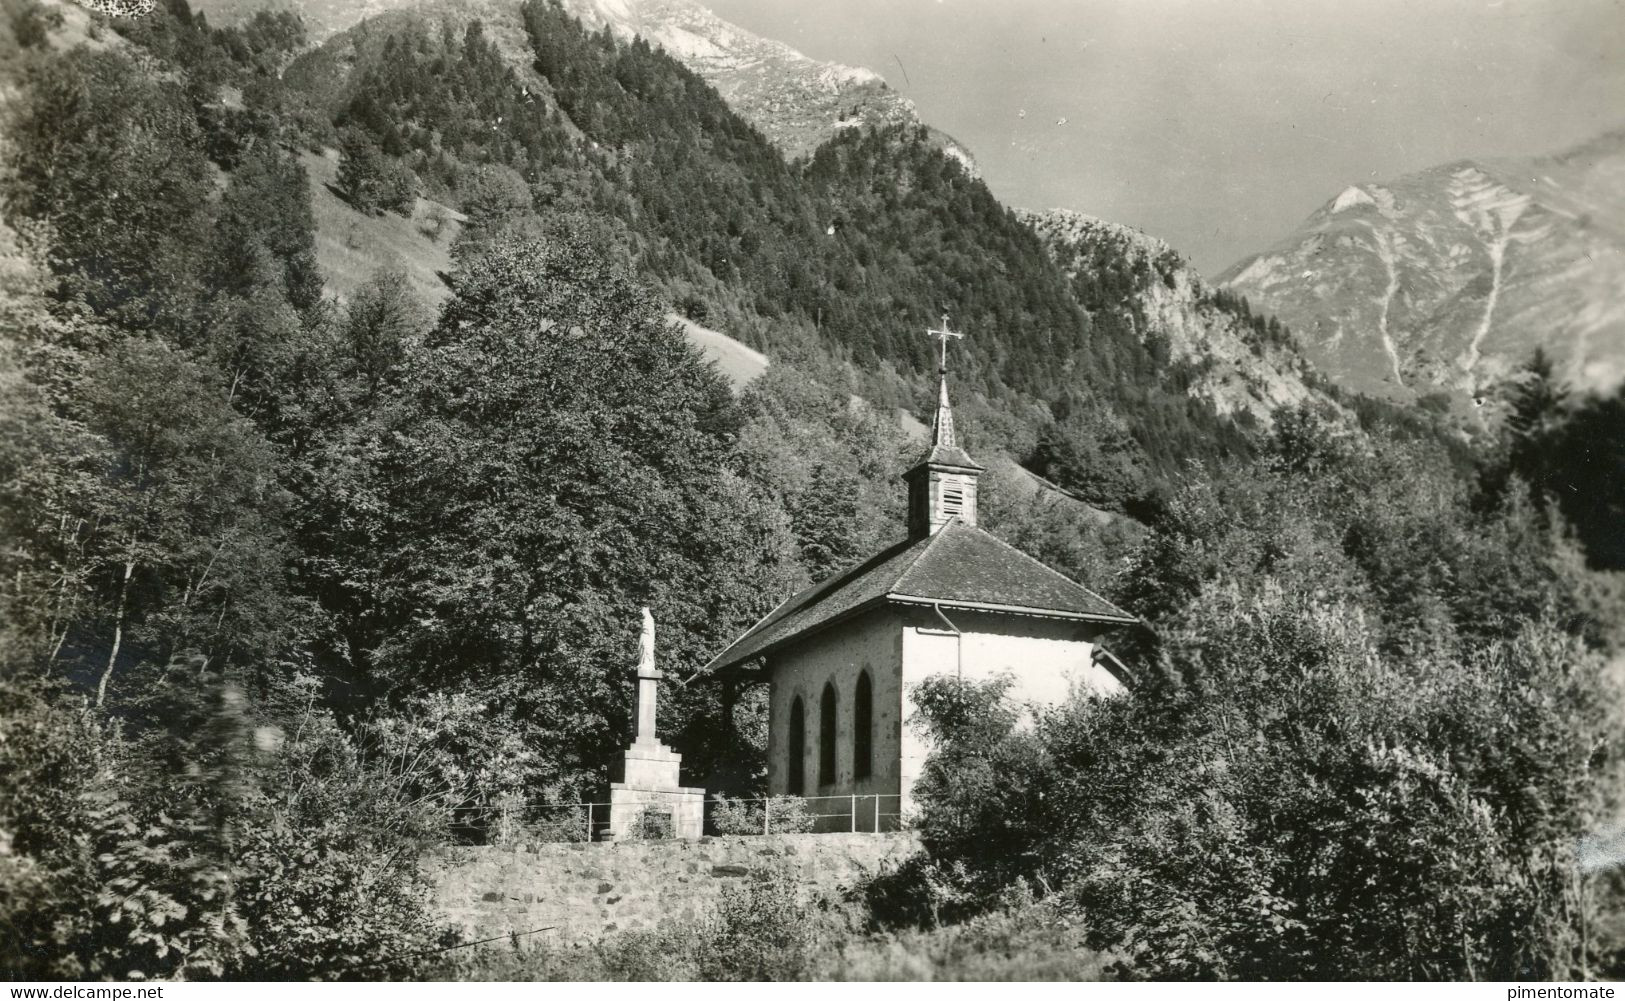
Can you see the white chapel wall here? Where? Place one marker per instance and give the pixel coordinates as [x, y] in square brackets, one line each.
[1050, 660]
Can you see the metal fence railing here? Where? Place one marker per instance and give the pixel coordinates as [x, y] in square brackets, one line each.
[855, 812]
[509, 821]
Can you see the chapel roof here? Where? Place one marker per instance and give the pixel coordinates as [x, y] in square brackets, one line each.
[959, 566]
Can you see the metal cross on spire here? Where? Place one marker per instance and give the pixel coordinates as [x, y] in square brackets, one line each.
[943, 335]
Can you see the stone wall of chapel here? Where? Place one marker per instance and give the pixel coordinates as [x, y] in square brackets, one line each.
[837, 655]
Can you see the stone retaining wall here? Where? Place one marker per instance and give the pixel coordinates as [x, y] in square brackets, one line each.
[588, 890]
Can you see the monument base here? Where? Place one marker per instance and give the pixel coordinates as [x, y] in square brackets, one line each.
[636, 812]
[650, 786]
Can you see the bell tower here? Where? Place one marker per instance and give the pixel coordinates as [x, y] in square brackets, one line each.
[942, 486]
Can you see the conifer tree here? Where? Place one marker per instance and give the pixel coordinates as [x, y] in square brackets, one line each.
[361, 171]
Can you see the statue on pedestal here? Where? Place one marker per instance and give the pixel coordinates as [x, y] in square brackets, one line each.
[646, 644]
[650, 769]
[648, 685]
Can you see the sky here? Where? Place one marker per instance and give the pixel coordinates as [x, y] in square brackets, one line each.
[1218, 125]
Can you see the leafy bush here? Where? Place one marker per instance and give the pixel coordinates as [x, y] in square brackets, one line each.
[50, 758]
[651, 824]
[1303, 807]
[363, 172]
[788, 814]
[762, 930]
[458, 753]
[329, 878]
[398, 188]
[1020, 939]
[226, 848]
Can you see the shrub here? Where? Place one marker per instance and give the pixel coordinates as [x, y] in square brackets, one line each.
[788, 815]
[736, 816]
[209, 848]
[435, 221]
[1020, 939]
[761, 931]
[329, 879]
[920, 892]
[651, 824]
[1303, 807]
[398, 188]
[554, 823]
[52, 758]
[362, 176]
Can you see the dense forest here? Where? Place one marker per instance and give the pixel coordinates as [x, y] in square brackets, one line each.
[293, 586]
[849, 255]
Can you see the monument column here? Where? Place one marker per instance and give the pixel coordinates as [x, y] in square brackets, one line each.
[649, 769]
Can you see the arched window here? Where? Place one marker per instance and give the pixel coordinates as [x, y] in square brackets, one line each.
[798, 748]
[826, 736]
[863, 720]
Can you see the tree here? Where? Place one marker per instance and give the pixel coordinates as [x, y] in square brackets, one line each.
[214, 835]
[831, 464]
[1304, 809]
[555, 456]
[362, 175]
[186, 560]
[50, 461]
[497, 204]
[1089, 451]
[383, 321]
[1537, 400]
[264, 231]
[109, 157]
[399, 191]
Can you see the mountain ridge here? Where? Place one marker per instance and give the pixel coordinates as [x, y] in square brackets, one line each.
[797, 101]
[1447, 279]
[1236, 368]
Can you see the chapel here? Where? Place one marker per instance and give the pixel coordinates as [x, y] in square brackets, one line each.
[841, 657]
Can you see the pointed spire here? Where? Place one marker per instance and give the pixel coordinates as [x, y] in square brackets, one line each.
[942, 425]
[942, 487]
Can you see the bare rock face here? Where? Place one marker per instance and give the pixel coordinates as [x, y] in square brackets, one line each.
[1448, 279]
[796, 101]
[1234, 369]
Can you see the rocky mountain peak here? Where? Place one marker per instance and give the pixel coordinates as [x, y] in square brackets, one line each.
[1232, 365]
[1448, 279]
[798, 102]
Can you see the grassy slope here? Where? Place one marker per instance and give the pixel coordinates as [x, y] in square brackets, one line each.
[350, 246]
[738, 362]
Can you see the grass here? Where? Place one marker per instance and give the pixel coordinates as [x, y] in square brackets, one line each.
[351, 245]
[736, 361]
